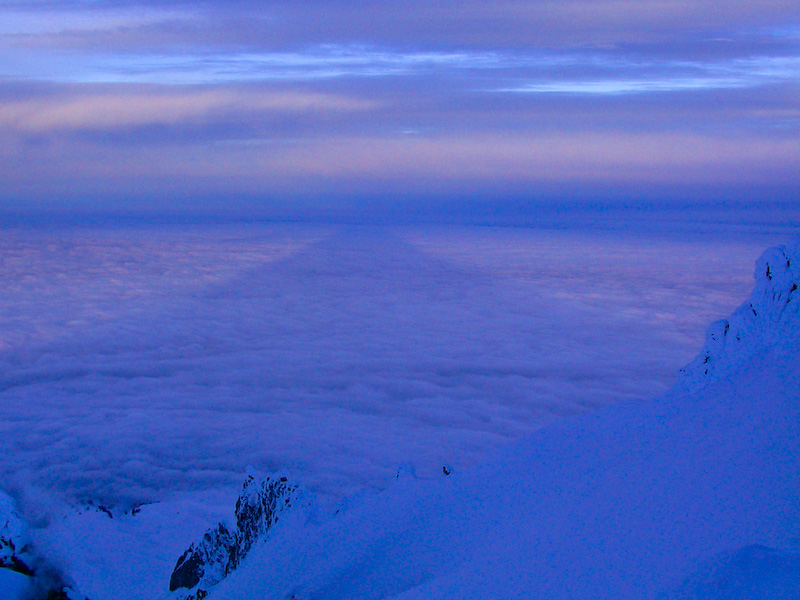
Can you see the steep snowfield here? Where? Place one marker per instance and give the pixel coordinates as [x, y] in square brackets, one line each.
[641, 500]
[625, 503]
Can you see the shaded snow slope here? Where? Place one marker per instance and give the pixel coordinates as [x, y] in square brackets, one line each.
[753, 572]
[115, 555]
[633, 501]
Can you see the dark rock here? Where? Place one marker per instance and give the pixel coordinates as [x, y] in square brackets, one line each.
[206, 559]
[15, 564]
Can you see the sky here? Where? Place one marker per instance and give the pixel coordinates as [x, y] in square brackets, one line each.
[401, 107]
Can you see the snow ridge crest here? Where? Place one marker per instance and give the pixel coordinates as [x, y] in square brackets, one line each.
[263, 501]
[770, 318]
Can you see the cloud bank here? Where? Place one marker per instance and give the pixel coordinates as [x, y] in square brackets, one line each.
[135, 363]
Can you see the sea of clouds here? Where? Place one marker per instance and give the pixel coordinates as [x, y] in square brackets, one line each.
[138, 362]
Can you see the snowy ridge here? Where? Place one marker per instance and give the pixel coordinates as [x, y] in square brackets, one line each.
[14, 538]
[264, 500]
[753, 572]
[24, 573]
[769, 319]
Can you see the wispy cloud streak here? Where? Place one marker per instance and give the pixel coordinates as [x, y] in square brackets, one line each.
[601, 73]
[501, 98]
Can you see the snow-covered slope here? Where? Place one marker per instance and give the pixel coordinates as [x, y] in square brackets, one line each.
[14, 539]
[768, 321]
[669, 498]
[263, 502]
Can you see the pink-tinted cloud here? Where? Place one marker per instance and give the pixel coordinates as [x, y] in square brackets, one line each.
[447, 165]
[509, 23]
[326, 100]
[109, 110]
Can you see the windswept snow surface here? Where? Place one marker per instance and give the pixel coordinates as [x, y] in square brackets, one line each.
[628, 502]
[675, 497]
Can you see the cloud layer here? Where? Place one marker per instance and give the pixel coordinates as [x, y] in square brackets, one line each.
[139, 362]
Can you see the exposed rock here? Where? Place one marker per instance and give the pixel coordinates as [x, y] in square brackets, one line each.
[262, 502]
[206, 561]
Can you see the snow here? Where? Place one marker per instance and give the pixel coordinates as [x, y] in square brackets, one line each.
[265, 503]
[754, 572]
[14, 586]
[13, 530]
[128, 556]
[765, 321]
[624, 503]
[14, 555]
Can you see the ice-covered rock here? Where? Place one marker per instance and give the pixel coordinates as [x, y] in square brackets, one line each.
[207, 561]
[14, 540]
[769, 319]
[264, 501]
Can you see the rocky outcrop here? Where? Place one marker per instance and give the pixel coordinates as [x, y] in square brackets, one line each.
[769, 319]
[207, 561]
[14, 542]
[262, 503]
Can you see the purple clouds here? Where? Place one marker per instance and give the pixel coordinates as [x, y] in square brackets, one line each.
[262, 108]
